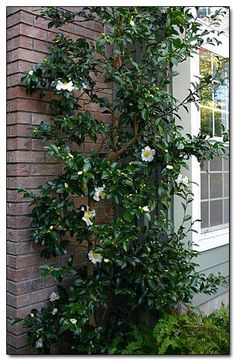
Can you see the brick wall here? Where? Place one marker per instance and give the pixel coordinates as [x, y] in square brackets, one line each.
[28, 41]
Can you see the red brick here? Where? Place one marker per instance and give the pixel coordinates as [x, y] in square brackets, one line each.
[18, 208]
[13, 19]
[19, 118]
[45, 169]
[23, 274]
[26, 350]
[18, 143]
[18, 67]
[19, 42]
[33, 32]
[20, 17]
[16, 235]
[12, 9]
[18, 222]
[41, 46]
[31, 55]
[19, 300]
[13, 31]
[37, 144]
[32, 9]
[23, 311]
[14, 79]
[41, 295]
[99, 27]
[14, 196]
[36, 106]
[20, 248]
[25, 157]
[18, 288]
[24, 261]
[16, 329]
[38, 118]
[19, 130]
[25, 182]
[18, 170]
[17, 341]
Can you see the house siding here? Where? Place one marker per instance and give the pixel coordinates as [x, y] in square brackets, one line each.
[213, 261]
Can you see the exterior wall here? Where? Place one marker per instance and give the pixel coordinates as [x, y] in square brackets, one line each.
[28, 41]
[213, 261]
[214, 256]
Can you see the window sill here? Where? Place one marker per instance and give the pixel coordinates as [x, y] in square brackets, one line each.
[210, 240]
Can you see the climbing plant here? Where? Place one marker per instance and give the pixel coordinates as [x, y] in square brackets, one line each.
[138, 261]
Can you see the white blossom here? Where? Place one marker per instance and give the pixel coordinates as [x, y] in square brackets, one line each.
[39, 343]
[99, 193]
[54, 296]
[80, 172]
[146, 209]
[94, 257]
[147, 154]
[30, 73]
[65, 86]
[169, 166]
[31, 315]
[73, 321]
[181, 180]
[88, 216]
[54, 311]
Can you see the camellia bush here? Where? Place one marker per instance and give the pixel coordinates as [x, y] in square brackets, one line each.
[138, 263]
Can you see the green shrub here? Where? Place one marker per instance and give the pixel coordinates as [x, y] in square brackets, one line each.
[139, 259]
[193, 334]
[178, 334]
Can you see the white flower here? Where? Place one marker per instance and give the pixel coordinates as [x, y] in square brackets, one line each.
[39, 343]
[65, 86]
[94, 257]
[73, 321]
[99, 193]
[54, 311]
[146, 209]
[88, 215]
[148, 154]
[80, 172]
[30, 73]
[169, 166]
[32, 315]
[181, 181]
[131, 22]
[54, 296]
[180, 145]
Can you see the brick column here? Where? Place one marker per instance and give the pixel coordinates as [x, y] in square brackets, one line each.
[28, 166]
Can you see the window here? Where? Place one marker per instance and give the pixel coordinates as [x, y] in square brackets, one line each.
[215, 194]
[214, 99]
[214, 111]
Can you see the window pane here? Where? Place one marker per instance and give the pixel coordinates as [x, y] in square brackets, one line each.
[206, 121]
[216, 185]
[216, 213]
[204, 215]
[226, 211]
[216, 164]
[218, 121]
[204, 186]
[226, 162]
[226, 184]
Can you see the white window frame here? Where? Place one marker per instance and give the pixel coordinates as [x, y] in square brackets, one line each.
[214, 238]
